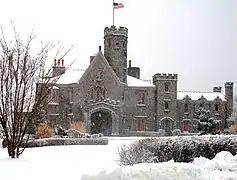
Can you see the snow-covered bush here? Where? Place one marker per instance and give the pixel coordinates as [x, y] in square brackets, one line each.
[206, 124]
[176, 132]
[136, 153]
[161, 132]
[67, 141]
[180, 149]
[223, 166]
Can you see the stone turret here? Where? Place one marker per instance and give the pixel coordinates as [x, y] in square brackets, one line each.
[115, 50]
[229, 97]
[166, 100]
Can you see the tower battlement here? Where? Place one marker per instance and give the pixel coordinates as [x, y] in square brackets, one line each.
[113, 30]
[229, 84]
[165, 76]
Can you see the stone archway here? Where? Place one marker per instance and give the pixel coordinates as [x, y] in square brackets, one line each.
[167, 124]
[105, 120]
[101, 122]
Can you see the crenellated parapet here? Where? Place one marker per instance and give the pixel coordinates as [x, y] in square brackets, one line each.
[229, 84]
[113, 30]
[165, 76]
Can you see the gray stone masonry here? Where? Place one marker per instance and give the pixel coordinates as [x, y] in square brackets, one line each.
[104, 87]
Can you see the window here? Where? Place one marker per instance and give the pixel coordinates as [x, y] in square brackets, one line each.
[70, 94]
[166, 105]
[201, 105]
[99, 76]
[186, 126]
[216, 107]
[166, 87]
[140, 125]
[124, 44]
[141, 98]
[99, 94]
[92, 95]
[185, 107]
[117, 43]
[104, 93]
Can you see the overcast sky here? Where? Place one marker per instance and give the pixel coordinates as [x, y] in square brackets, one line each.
[194, 38]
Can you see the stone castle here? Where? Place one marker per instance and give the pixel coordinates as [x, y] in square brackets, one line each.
[110, 97]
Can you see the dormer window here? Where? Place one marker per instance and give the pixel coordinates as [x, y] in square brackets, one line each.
[201, 105]
[216, 107]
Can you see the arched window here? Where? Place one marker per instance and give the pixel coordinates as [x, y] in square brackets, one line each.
[143, 98]
[99, 93]
[166, 87]
[166, 105]
[201, 105]
[92, 94]
[216, 107]
[185, 107]
[104, 93]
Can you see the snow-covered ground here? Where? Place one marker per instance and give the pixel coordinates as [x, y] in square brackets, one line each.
[100, 162]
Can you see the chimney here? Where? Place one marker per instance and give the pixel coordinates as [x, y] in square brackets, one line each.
[99, 48]
[55, 62]
[62, 62]
[58, 62]
[130, 63]
[217, 89]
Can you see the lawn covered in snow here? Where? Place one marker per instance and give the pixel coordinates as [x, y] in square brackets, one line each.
[100, 162]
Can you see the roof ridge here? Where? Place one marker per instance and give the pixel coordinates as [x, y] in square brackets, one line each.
[200, 91]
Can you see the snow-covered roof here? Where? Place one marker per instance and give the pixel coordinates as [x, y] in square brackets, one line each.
[210, 96]
[131, 81]
[55, 87]
[71, 76]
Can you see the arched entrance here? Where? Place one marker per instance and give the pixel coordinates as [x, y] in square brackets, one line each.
[101, 122]
[168, 125]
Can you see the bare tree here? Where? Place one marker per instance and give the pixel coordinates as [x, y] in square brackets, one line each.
[25, 82]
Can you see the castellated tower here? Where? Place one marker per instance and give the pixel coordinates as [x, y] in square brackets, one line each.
[166, 99]
[229, 97]
[115, 50]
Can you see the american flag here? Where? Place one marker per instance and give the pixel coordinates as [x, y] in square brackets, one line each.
[118, 5]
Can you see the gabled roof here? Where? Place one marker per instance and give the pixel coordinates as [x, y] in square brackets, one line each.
[99, 56]
[210, 96]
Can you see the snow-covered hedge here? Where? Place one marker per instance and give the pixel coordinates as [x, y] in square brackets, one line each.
[180, 149]
[223, 166]
[67, 141]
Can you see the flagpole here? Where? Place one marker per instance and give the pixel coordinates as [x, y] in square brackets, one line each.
[113, 12]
